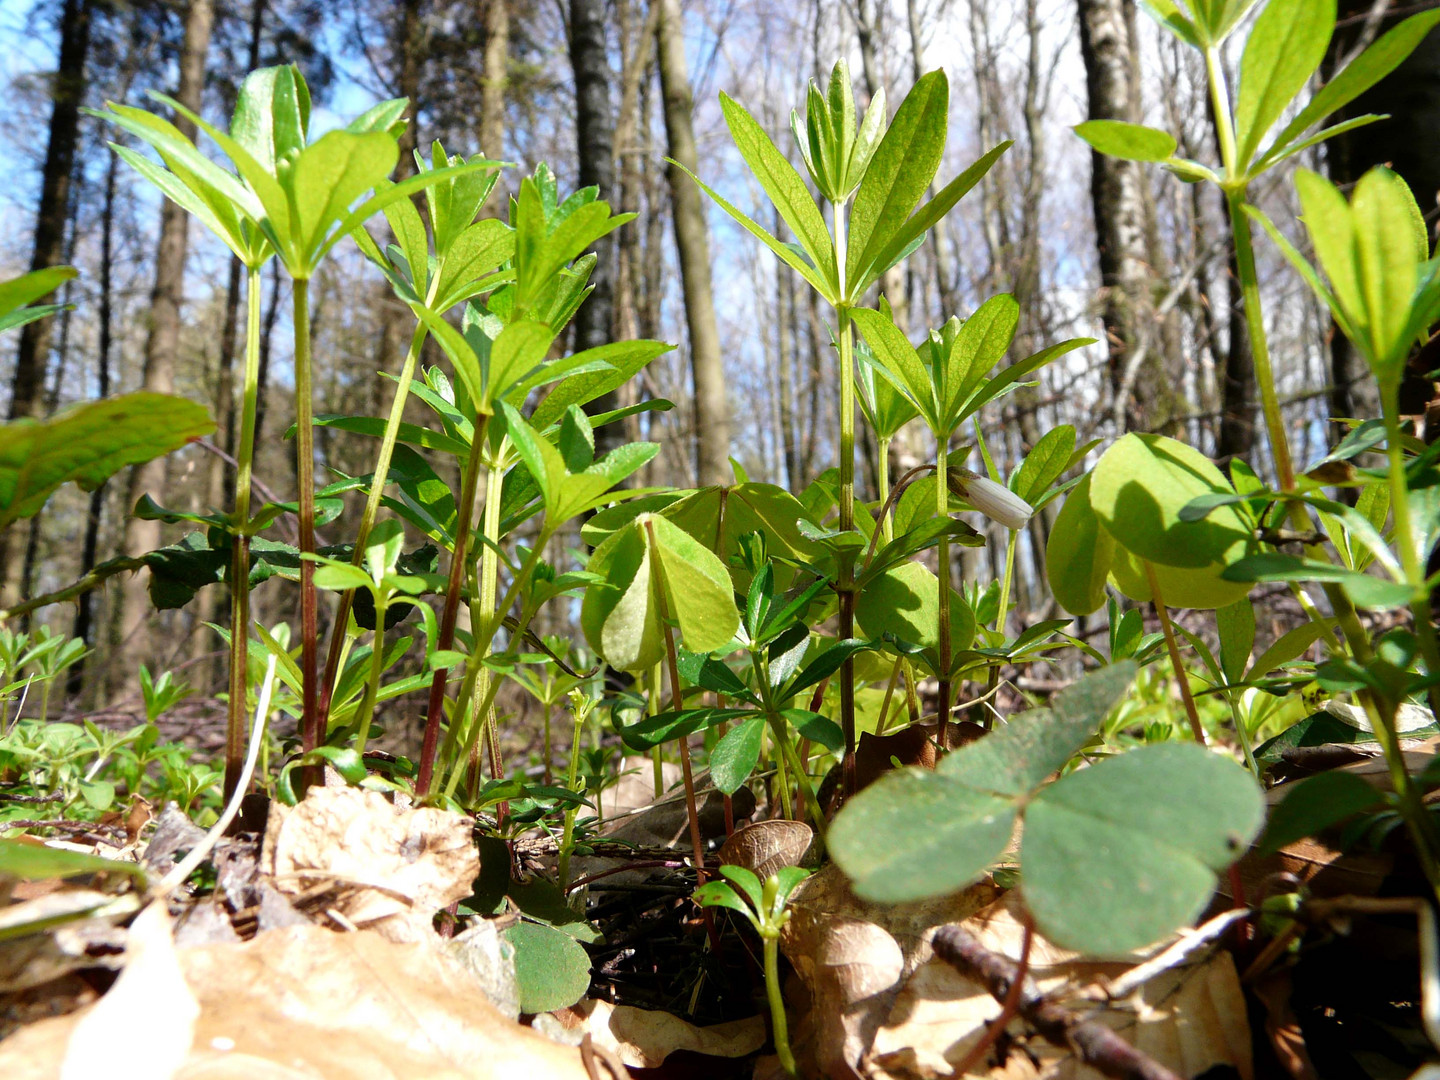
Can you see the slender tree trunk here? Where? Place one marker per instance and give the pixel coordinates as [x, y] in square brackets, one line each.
[50, 218]
[595, 145]
[496, 16]
[161, 347]
[85, 604]
[1120, 198]
[267, 341]
[712, 413]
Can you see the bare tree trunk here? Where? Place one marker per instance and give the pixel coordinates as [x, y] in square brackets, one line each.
[712, 414]
[50, 219]
[595, 153]
[85, 604]
[496, 15]
[161, 347]
[1121, 198]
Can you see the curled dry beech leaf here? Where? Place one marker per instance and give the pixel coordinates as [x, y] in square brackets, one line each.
[767, 846]
[644, 1038]
[401, 866]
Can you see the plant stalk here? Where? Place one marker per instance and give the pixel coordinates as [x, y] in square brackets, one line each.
[942, 510]
[240, 555]
[1174, 647]
[312, 724]
[779, 1031]
[378, 482]
[372, 684]
[466, 512]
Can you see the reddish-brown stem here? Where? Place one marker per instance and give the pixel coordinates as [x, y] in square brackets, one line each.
[312, 726]
[436, 709]
[1009, 1008]
[1175, 661]
[677, 701]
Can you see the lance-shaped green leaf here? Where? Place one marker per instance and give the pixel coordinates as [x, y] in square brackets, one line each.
[885, 407]
[922, 221]
[311, 200]
[981, 343]
[1133, 142]
[900, 360]
[1382, 57]
[17, 293]
[783, 185]
[900, 170]
[90, 443]
[271, 119]
[546, 242]
[1284, 49]
[820, 282]
[915, 834]
[625, 359]
[214, 197]
[1045, 464]
[573, 487]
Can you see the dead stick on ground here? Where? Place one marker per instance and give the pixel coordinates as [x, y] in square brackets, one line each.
[1093, 1043]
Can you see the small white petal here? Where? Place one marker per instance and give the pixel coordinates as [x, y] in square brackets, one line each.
[997, 501]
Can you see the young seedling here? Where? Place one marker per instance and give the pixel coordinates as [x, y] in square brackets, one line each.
[765, 907]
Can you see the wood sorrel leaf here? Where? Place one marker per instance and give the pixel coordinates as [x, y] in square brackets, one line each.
[1138, 489]
[905, 601]
[915, 834]
[1079, 553]
[552, 969]
[1120, 854]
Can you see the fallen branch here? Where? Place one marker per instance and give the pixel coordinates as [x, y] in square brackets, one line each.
[1092, 1043]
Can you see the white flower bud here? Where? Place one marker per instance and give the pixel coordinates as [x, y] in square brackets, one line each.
[993, 500]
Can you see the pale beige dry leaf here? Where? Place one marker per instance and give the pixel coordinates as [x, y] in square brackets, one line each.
[643, 1038]
[636, 786]
[309, 1003]
[146, 1019]
[767, 846]
[31, 959]
[402, 865]
[1189, 1018]
[853, 956]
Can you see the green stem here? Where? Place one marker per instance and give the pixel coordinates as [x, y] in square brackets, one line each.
[312, 725]
[776, 724]
[942, 511]
[1242, 734]
[677, 702]
[1174, 647]
[485, 630]
[377, 669]
[549, 705]
[434, 716]
[380, 478]
[779, 1030]
[846, 585]
[652, 708]
[1004, 610]
[484, 612]
[240, 556]
[882, 474]
[567, 839]
[1405, 540]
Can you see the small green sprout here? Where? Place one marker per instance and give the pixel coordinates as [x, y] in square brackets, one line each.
[764, 906]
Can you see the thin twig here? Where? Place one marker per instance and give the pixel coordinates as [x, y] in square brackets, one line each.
[1091, 1042]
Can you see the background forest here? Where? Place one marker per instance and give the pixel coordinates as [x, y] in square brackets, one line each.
[603, 92]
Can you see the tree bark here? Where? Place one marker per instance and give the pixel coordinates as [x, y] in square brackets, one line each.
[712, 413]
[496, 15]
[161, 346]
[1123, 208]
[595, 151]
[50, 218]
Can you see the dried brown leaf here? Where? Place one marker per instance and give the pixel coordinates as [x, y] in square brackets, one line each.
[401, 865]
[643, 1038]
